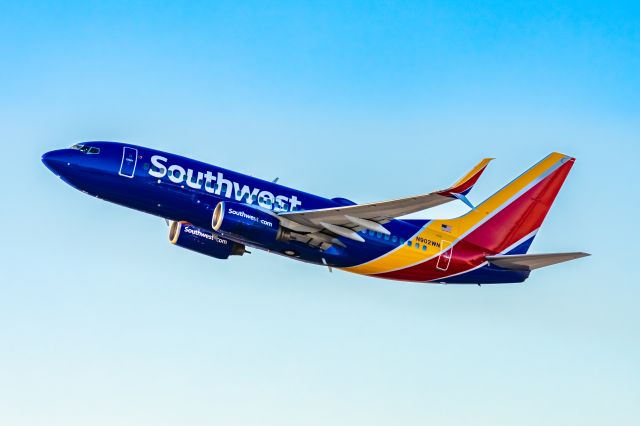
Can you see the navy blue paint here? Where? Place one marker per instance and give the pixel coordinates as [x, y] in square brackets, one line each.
[522, 248]
[489, 274]
[201, 241]
[126, 180]
[242, 222]
[99, 175]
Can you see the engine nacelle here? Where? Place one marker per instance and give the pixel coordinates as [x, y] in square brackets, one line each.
[192, 238]
[247, 223]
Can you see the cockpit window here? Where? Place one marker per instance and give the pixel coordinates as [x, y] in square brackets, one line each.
[86, 149]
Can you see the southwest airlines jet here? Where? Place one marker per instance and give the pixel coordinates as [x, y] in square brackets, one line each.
[219, 213]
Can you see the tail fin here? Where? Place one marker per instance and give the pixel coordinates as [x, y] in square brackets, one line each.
[508, 220]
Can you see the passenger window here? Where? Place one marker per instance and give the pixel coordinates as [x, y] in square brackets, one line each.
[401, 241]
[409, 243]
[371, 233]
[379, 234]
[146, 166]
[424, 248]
[394, 238]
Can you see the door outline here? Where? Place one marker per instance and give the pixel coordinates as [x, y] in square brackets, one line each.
[135, 162]
[445, 256]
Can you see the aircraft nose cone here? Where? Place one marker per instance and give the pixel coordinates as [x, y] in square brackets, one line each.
[55, 161]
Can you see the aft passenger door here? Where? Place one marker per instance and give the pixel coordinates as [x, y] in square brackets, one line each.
[445, 255]
[129, 161]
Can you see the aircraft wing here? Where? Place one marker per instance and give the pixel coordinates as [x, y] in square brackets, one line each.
[345, 221]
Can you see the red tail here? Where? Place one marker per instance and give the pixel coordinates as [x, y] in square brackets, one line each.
[515, 213]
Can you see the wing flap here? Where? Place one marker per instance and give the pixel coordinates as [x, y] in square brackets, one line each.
[529, 262]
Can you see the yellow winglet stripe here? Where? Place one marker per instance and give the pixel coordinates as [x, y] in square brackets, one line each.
[478, 168]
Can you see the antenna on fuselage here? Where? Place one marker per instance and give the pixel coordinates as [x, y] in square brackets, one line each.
[326, 264]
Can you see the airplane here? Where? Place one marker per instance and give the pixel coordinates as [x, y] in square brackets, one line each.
[219, 213]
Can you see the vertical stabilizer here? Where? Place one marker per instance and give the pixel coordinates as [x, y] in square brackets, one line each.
[508, 220]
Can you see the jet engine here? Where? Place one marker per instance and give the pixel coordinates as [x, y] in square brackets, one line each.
[247, 223]
[192, 238]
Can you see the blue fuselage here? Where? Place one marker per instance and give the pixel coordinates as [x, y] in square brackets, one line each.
[187, 192]
[181, 189]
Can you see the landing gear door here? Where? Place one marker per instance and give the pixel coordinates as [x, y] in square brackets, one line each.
[129, 161]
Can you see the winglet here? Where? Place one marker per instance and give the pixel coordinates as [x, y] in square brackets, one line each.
[462, 187]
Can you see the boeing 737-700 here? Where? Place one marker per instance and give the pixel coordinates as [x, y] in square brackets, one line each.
[219, 212]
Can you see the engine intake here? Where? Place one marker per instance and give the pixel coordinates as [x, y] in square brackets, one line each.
[247, 223]
[190, 237]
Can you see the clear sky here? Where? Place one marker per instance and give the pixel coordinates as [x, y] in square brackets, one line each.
[103, 322]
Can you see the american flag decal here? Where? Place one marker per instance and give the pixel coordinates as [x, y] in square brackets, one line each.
[446, 228]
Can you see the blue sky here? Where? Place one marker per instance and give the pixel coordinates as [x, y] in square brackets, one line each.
[104, 322]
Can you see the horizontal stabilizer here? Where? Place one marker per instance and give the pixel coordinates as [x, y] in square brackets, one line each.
[529, 262]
